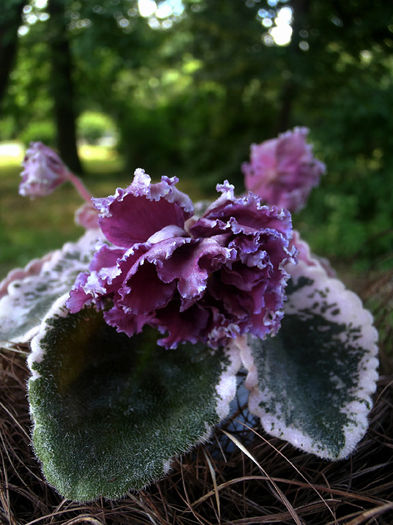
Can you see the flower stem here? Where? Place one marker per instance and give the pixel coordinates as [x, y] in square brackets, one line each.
[80, 187]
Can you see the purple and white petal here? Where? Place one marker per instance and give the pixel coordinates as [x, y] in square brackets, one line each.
[192, 265]
[87, 216]
[125, 322]
[43, 171]
[205, 279]
[142, 291]
[136, 213]
[283, 170]
[188, 326]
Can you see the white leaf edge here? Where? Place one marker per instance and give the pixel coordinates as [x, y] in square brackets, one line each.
[37, 353]
[367, 368]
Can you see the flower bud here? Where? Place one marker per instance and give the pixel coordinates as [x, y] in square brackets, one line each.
[43, 171]
[283, 170]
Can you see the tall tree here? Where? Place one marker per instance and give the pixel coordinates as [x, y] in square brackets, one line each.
[10, 20]
[62, 85]
[294, 60]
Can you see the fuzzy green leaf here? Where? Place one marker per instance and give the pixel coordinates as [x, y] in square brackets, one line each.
[311, 384]
[110, 412]
[30, 295]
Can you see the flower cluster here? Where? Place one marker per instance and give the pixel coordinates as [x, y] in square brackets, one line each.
[43, 171]
[283, 170]
[198, 279]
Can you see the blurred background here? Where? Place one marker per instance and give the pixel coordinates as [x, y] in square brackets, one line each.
[183, 87]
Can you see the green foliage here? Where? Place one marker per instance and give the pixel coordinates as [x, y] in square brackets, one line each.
[7, 128]
[110, 412]
[93, 126]
[43, 131]
[191, 93]
[353, 206]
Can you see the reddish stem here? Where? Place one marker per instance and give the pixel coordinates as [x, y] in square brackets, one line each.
[80, 187]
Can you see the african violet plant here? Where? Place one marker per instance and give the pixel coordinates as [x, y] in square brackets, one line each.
[139, 328]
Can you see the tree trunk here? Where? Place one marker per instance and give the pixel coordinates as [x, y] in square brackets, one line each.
[290, 88]
[62, 85]
[10, 20]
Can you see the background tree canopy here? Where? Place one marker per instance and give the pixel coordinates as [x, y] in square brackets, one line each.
[183, 87]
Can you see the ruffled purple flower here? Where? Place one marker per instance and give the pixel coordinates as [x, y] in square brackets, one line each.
[196, 279]
[43, 171]
[283, 170]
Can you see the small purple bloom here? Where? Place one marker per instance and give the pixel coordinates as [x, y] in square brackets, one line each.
[196, 279]
[283, 170]
[43, 171]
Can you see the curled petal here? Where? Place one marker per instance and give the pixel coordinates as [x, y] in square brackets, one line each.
[192, 265]
[144, 289]
[102, 279]
[243, 278]
[247, 215]
[136, 213]
[222, 329]
[227, 191]
[125, 322]
[182, 327]
[143, 292]
[78, 296]
[105, 257]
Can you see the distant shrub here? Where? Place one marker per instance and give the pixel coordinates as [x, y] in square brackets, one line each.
[43, 131]
[94, 127]
[7, 128]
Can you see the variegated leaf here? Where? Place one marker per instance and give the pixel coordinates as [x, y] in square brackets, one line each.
[28, 294]
[110, 412]
[312, 384]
